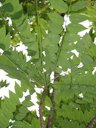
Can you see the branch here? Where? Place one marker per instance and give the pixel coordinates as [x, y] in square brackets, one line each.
[51, 116]
[41, 108]
[92, 123]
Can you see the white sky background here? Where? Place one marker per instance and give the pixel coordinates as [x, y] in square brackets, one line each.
[3, 75]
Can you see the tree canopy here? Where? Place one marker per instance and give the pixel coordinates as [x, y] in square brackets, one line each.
[59, 59]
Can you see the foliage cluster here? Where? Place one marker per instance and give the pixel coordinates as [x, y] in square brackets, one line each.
[41, 26]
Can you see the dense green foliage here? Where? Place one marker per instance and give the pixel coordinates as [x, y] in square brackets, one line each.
[41, 26]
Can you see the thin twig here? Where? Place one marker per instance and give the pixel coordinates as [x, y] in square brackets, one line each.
[92, 123]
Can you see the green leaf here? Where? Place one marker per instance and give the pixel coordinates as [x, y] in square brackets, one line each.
[79, 5]
[59, 5]
[77, 18]
[8, 106]
[8, 7]
[55, 23]
[3, 83]
[4, 39]
[48, 102]
[35, 123]
[12, 6]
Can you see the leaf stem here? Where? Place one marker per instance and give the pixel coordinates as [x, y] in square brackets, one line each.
[36, 2]
[60, 49]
